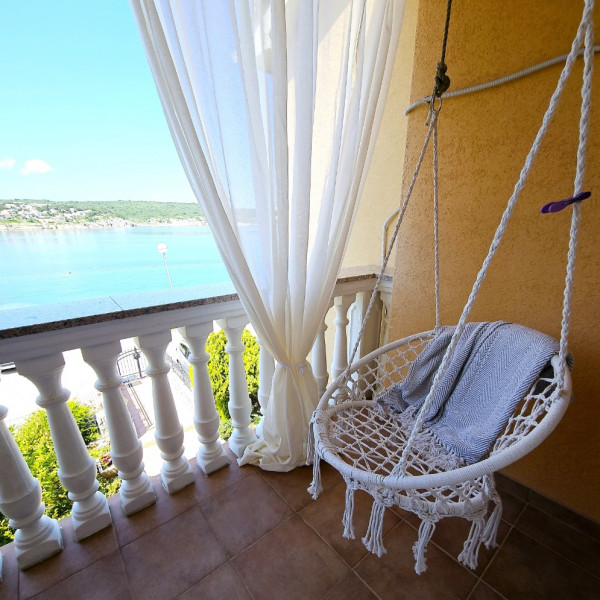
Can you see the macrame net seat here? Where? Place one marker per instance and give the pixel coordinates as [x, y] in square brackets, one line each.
[396, 456]
[364, 444]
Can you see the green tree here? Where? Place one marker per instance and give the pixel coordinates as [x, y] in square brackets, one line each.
[34, 440]
[218, 369]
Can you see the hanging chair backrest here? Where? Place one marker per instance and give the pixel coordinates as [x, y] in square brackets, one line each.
[535, 417]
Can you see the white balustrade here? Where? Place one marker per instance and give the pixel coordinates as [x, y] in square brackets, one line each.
[211, 456]
[319, 360]
[125, 448]
[266, 369]
[76, 468]
[37, 353]
[240, 406]
[340, 343]
[38, 536]
[176, 472]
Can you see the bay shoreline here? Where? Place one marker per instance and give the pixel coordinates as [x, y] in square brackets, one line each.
[104, 224]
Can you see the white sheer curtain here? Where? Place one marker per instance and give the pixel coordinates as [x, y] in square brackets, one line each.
[274, 107]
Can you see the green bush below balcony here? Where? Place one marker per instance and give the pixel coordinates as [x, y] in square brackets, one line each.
[34, 440]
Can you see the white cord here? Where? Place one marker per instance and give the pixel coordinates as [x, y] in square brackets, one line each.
[500, 81]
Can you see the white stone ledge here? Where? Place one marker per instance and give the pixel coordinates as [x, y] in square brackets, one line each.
[37, 330]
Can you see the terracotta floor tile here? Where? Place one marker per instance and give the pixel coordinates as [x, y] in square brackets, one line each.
[9, 586]
[75, 557]
[243, 513]
[104, 580]
[523, 568]
[166, 507]
[393, 576]
[215, 483]
[484, 592]
[220, 584]
[563, 539]
[567, 516]
[350, 588]
[170, 559]
[325, 517]
[292, 563]
[293, 486]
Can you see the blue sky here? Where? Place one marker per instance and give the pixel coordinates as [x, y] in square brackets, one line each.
[79, 115]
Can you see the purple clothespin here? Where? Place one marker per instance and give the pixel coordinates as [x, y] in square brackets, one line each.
[553, 207]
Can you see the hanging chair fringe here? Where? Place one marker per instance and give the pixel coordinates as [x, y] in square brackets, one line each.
[349, 513]
[316, 488]
[488, 537]
[426, 530]
[373, 540]
[470, 551]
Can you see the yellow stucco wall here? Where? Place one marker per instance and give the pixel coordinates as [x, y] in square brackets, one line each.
[484, 138]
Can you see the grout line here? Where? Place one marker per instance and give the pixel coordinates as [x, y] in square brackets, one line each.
[232, 564]
[554, 551]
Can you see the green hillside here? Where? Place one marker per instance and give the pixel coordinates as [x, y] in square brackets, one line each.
[42, 212]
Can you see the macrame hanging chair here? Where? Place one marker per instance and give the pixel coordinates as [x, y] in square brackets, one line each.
[413, 455]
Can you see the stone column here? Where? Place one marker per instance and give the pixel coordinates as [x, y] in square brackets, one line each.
[319, 360]
[125, 449]
[211, 456]
[240, 406]
[38, 536]
[266, 369]
[340, 343]
[176, 472]
[76, 468]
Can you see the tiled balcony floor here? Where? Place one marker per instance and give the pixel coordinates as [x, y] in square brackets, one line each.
[245, 534]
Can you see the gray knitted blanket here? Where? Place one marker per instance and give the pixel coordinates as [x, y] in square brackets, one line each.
[493, 366]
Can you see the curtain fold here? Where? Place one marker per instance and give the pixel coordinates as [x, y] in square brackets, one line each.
[274, 108]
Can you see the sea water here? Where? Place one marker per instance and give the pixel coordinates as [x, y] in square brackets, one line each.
[48, 266]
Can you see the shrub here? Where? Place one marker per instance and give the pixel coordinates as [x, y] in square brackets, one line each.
[34, 440]
[218, 369]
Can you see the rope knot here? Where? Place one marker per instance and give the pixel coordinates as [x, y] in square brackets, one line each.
[442, 81]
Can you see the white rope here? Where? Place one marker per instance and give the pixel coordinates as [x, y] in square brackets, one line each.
[583, 30]
[436, 239]
[365, 320]
[586, 96]
[499, 81]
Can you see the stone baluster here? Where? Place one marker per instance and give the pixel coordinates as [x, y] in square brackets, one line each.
[240, 406]
[126, 450]
[211, 456]
[176, 472]
[266, 369]
[76, 468]
[319, 360]
[37, 536]
[340, 343]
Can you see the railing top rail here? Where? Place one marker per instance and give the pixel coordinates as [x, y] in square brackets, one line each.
[75, 324]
